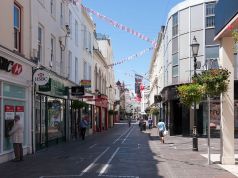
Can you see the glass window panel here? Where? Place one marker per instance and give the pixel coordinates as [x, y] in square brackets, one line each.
[210, 21]
[7, 144]
[212, 52]
[175, 59]
[175, 71]
[13, 91]
[56, 125]
[16, 17]
[210, 9]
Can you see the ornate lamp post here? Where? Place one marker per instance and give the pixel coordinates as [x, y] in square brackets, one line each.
[195, 46]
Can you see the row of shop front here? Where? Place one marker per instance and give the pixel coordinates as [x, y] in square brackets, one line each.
[179, 118]
[46, 115]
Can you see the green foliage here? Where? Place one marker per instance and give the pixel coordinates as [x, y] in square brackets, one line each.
[189, 93]
[147, 110]
[110, 112]
[234, 34]
[76, 104]
[154, 111]
[215, 81]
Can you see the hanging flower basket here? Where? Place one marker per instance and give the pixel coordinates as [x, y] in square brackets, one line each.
[147, 110]
[190, 93]
[154, 111]
[110, 112]
[76, 104]
[234, 34]
[215, 81]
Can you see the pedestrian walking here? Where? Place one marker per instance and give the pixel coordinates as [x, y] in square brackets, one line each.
[162, 129]
[83, 126]
[16, 134]
[150, 122]
[129, 121]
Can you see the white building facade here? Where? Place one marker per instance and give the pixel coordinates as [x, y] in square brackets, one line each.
[188, 19]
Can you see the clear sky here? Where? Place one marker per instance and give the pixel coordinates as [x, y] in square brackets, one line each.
[144, 16]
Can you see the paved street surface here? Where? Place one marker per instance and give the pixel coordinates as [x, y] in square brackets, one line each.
[120, 152]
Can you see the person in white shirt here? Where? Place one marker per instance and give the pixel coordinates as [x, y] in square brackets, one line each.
[162, 128]
[16, 134]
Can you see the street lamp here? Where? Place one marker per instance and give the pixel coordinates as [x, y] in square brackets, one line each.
[195, 47]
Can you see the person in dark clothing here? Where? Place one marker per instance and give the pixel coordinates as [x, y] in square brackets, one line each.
[83, 126]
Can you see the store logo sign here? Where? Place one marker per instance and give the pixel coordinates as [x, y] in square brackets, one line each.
[41, 77]
[10, 66]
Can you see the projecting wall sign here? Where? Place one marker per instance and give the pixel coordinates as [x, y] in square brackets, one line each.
[41, 77]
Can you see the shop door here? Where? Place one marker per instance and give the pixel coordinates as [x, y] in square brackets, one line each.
[55, 120]
[40, 124]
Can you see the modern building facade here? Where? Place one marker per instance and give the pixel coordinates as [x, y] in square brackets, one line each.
[188, 19]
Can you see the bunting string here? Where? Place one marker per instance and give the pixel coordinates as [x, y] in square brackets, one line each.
[139, 54]
[120, 26]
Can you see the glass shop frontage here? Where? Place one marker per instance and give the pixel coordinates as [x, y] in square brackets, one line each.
[50, 114]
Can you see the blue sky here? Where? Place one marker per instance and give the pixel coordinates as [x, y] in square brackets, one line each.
[144, 16]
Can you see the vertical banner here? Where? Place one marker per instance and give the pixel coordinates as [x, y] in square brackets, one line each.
[9, 112]
[138, 82]
[20, 112]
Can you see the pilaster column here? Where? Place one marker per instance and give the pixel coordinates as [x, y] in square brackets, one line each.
[227, 104]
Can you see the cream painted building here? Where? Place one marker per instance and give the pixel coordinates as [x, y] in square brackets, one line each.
[103, 80]
[15, 74]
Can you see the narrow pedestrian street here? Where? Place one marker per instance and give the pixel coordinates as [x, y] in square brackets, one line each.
[119, 152]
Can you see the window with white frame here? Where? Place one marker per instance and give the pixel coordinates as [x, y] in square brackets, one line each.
[210, 15]
[52, 7]
[61, 14]
[85, 70]
[52, 52]
[70, 22]
[89, 72]
[62, 64]
[89, 42]
[175, 67]
[212, 57]
[76, 70]
[76, 33]
[40, 43]
[70, 65]
[175, 24]
[84, 36]
[17, 27]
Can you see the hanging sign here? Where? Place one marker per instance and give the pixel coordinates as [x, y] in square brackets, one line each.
[9, 112]
[85, 83]
[41, 77]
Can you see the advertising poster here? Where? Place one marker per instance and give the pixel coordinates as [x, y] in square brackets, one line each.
[20, 112]
[215, 116]
[9, 112]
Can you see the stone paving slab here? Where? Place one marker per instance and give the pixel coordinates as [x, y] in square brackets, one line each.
[183, 162]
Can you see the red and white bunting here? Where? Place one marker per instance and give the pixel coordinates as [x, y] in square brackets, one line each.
[139, 54]
[120, 26]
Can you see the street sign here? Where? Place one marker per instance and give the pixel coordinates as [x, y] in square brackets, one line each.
[77, 91]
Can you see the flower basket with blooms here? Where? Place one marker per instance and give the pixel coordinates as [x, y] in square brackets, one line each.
[190, 93]
[154, 111]
[215, 81]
